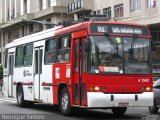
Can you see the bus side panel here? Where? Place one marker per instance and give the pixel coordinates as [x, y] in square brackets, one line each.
[14, 91]
[24, 76]
[5, 83]
[28, 82]
[47, 91]
[61, 75]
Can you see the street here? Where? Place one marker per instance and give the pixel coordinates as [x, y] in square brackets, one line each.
[9, 106]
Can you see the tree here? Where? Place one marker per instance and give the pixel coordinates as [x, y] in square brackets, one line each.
[1, 71]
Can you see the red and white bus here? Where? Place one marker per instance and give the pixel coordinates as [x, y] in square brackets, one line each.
[94, 64]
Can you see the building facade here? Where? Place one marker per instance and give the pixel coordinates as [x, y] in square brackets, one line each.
[141, 11]
[13, 14]
[16, 16]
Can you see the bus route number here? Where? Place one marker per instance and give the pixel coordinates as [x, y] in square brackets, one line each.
[100, 29]
[143, 80]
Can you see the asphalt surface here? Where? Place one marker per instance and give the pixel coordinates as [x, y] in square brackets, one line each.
[10, 111]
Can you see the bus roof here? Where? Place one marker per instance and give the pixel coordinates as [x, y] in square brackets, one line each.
[33, 37]
[59, 30]
[84, 25]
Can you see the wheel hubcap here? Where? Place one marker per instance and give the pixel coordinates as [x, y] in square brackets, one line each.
[65, 101]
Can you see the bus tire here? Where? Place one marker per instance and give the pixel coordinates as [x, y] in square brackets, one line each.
[29, 103]
[20, 97]
[119, 111]
[154, 108]
[65, 102]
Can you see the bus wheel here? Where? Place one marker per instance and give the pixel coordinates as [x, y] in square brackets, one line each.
[20, 97]
[154, 108]
[119, 111]
[65, 102]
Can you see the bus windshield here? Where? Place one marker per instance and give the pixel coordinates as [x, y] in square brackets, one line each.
[119, 55]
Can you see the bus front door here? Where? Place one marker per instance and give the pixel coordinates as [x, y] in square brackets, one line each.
[10, 80]
[80, 67]
[38, 52]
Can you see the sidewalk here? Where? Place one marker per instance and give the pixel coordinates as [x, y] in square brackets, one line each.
[1, 93]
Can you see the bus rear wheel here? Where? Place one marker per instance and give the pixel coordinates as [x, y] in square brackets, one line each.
[20, 97]
[119, 111]
[65, 102]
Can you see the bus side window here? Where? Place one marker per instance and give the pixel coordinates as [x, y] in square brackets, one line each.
[28, 53]
[6, 58]
[64, 48]
[50, 51]
[19, 57]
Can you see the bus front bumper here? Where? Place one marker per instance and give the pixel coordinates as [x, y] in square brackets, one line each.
[102, 100]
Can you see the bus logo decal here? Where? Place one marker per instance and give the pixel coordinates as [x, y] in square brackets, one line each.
[68, 72]
[57, 74]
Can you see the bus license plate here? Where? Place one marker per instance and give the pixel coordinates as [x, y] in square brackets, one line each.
[123, 104]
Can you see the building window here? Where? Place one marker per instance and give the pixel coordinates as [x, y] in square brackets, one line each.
[118, 11]
[75, 5]
[107, 12]
[25, 6]
[23, 31]
[98, 12]
[135, 5]
[6, 58]
[50, 51]
[94, 13]
[13, 14]
[48, 3]
[40, 4]
[8, 14]
[28, 52]
[49, 25]
[13, 10]
[151, 3]
[30, 28]
[19, 57]
[40, 27]
[80, 17]
[69, 7]
[9, 36]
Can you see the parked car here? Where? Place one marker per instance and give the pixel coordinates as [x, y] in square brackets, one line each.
[156, 90]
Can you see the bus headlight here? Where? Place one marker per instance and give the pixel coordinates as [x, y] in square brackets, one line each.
[96, 88]
[148, 88]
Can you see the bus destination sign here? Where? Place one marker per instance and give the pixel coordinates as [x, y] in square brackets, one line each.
[119, 29]
[126, 30]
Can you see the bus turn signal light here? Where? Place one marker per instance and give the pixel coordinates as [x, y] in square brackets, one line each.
[91, 88]
[143, 89]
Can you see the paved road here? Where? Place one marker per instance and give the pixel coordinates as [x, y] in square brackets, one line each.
[8, 106]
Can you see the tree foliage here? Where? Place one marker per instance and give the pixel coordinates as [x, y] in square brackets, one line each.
[1, 72]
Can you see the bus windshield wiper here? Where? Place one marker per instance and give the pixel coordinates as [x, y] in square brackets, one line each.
[132, 45]
[111, 41]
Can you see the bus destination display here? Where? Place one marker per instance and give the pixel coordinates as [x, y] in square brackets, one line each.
[119, 29]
